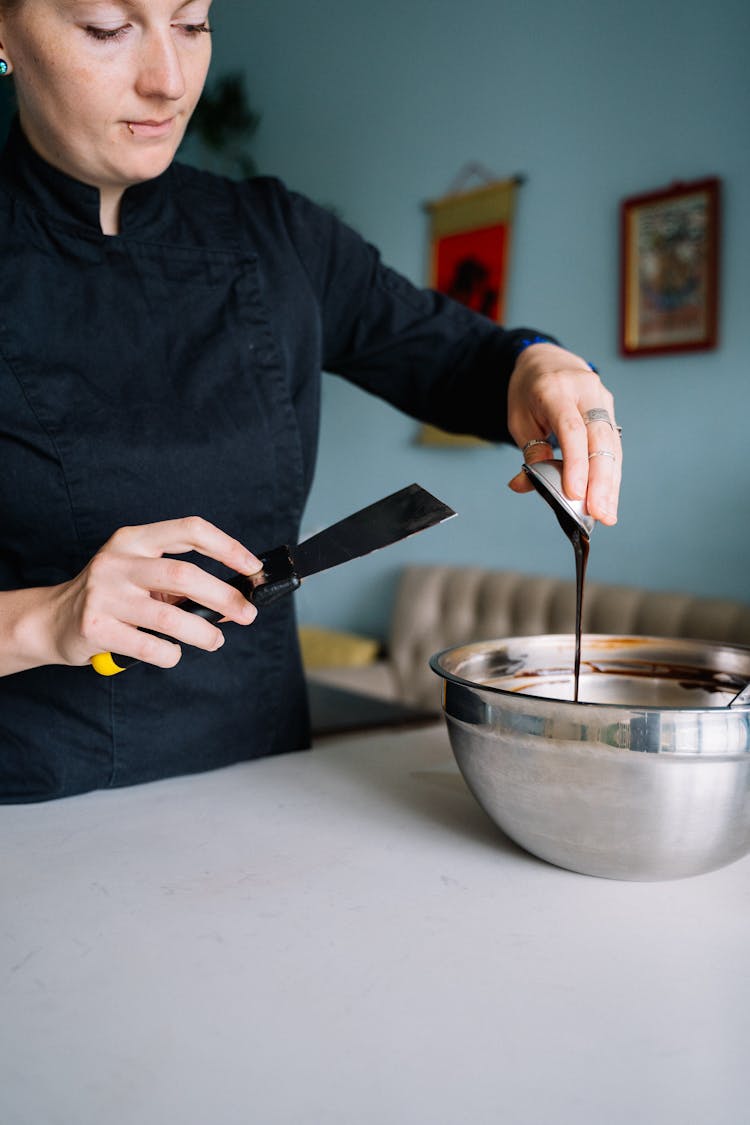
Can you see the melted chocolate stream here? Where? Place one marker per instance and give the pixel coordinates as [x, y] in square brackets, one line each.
[581, 543]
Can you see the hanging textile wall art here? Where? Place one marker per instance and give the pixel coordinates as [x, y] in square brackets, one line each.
[469, 256]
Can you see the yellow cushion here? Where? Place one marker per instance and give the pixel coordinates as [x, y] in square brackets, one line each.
[327, 648]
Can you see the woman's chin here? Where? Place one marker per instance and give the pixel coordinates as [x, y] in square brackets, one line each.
[147, 165]
[151, 148]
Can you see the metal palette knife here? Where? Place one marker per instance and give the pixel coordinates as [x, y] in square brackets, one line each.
[546, 477]
[387, 521]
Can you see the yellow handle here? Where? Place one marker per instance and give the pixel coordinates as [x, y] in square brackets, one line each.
[105, 665]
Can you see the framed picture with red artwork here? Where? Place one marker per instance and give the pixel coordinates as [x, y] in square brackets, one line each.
[670, 269]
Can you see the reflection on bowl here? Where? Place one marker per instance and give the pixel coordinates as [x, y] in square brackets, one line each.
[647, 777]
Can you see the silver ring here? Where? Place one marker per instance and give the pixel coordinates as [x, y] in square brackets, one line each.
[598, 414]
[602, 453]
[533, 442]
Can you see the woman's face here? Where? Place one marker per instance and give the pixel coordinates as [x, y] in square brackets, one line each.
[105, 88]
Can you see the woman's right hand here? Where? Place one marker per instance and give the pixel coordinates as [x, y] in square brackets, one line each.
[129, 586]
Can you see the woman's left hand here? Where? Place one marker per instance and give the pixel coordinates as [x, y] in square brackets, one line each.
[552, 391]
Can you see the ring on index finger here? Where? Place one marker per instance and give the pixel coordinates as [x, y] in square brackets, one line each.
[535, 441]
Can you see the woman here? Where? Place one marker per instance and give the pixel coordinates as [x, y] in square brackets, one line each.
[162, 334]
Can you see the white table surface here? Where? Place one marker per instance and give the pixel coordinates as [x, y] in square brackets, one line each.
[342, 936]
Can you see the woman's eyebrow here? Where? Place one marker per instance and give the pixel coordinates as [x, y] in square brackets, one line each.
[123, 5]
[92, 5]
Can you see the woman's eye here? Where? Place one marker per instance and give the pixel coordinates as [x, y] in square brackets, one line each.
[111, 34]
[194, 28]
[106, 34]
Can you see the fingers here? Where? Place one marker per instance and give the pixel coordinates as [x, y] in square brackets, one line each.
[114, 616]
[553, 391]
[127, 640]
[193, 533]
[604, 456]
[535, 449]
[592, 454]
[169, 621]
[180, 579]
[129, 586]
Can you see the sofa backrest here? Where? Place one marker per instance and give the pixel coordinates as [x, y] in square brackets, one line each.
[440, 606]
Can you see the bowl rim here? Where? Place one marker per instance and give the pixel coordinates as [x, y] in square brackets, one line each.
[627, 638]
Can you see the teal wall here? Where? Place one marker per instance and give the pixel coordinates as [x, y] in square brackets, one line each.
[374, 108]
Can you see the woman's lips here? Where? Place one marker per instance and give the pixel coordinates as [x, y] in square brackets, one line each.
[151, 128]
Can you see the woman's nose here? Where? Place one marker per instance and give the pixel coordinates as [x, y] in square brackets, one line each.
[160, 70]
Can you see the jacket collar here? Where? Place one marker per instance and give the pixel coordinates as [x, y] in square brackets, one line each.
[61, 197]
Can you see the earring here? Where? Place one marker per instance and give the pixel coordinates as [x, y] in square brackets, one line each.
[3, 67]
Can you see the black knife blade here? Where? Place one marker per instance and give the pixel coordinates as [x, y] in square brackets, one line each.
[387, 521]
[381, 524]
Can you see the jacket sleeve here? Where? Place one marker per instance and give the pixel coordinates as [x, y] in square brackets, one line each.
[424, 353]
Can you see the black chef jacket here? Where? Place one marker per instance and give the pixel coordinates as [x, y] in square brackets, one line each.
[172, 370]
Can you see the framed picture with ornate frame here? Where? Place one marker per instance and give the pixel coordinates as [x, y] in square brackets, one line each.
[670, 269]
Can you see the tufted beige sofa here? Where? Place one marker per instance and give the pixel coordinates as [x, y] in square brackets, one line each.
[440, 606]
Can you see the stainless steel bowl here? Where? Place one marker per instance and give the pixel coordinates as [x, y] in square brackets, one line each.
[647, 777]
